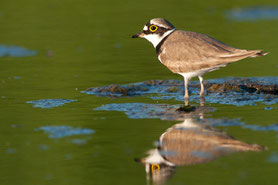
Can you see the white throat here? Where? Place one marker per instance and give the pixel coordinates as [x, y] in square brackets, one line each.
[156, 38]
[155, 157]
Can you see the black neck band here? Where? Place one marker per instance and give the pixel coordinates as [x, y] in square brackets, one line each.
[158, 47]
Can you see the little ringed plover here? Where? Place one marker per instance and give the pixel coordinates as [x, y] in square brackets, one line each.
[190, 54]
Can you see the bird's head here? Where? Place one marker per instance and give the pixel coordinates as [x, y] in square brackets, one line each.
[155, 30]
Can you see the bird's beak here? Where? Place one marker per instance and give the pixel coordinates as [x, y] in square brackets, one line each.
[142, 161]
[141, 34]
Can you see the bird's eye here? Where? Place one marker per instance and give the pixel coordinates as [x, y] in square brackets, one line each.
[155, 167]
[153, 28]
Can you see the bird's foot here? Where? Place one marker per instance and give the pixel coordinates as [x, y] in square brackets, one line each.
[186, 108]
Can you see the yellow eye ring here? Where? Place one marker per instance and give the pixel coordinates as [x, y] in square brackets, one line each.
[153, 28]
[155, 167]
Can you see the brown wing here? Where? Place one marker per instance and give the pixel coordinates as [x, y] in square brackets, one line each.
[186, 51]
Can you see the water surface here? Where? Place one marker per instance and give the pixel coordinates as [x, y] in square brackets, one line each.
[84, 44]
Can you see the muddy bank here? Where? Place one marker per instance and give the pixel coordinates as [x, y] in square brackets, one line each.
[235, 91]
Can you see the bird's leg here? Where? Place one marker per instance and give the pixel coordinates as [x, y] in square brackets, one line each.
[202, 101]
[186, 96]
[186, 107]
[202, 91]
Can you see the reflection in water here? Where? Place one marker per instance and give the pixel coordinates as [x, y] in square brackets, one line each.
[187, 143]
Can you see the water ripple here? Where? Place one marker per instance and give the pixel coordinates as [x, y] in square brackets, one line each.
[253, 13]
[64, 131]
[15, 51]
[50, 103]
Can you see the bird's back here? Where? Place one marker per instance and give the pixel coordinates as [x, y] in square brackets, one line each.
[185, 51]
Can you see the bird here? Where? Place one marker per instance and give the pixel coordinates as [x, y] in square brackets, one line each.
[190, 54]
[187, 143]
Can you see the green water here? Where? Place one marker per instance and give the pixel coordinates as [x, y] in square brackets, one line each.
[83, 44]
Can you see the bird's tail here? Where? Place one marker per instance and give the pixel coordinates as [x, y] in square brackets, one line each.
[258, 53]
[241, 54]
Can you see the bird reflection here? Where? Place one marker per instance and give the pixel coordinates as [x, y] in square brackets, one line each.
[191, 142]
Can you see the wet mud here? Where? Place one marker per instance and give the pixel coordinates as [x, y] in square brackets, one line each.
[234, 91]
